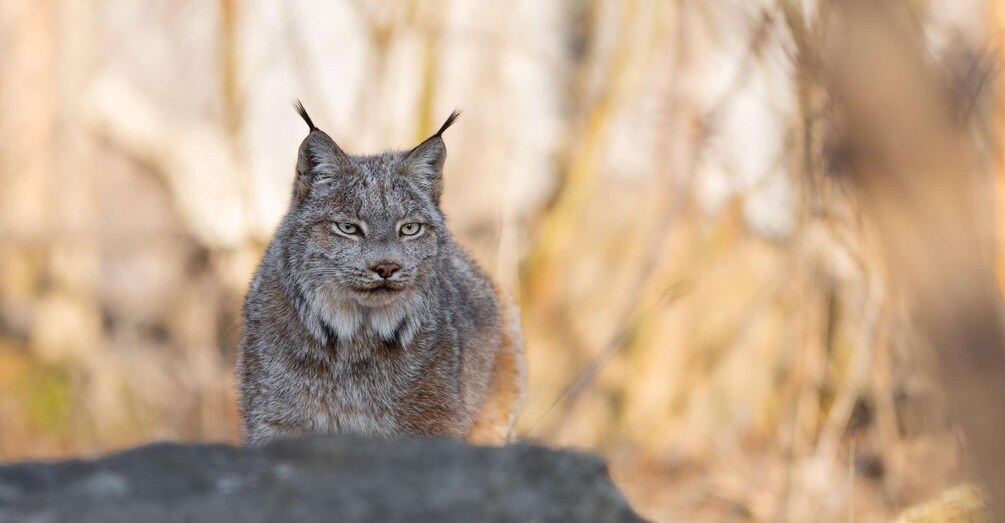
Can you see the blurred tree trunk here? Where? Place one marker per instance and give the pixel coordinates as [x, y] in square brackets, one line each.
[27, 114]
[996, 31]
[916, 169]
[28, 97]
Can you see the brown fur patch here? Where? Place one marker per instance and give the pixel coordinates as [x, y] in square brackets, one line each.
[494, 421]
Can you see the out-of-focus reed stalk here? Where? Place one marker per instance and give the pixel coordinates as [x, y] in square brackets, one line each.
[917, 173]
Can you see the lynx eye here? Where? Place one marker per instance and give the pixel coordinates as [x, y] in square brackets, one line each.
[410, 229]
[347, 228]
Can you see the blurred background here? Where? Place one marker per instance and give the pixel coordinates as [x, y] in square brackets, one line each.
[659, 183]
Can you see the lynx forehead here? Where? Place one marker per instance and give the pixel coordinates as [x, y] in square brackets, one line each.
[366, 317]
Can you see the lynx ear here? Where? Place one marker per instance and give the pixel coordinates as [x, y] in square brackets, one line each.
[319, 161]
[424, 164]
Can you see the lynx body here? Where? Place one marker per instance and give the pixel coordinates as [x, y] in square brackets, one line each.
[365, 317]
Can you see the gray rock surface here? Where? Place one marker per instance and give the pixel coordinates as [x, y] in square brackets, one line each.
[316, 480]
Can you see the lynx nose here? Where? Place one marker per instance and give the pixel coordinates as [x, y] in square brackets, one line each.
[386, 270]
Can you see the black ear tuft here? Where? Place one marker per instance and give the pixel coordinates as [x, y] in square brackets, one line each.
[303, 114]
[424, 163]
[319, 159]
[450, 121]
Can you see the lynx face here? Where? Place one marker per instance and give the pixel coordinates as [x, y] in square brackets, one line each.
[364, 232]
[370, 232]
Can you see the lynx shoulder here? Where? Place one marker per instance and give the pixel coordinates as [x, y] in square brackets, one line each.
[366, 317]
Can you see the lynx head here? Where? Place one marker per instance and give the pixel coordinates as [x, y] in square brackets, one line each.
[367, 229]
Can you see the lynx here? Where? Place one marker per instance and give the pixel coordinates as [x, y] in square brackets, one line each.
[365, 316]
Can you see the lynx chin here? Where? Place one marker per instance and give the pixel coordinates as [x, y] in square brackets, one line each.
[366, 317]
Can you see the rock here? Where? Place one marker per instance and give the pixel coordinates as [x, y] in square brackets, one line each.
[316, 479]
